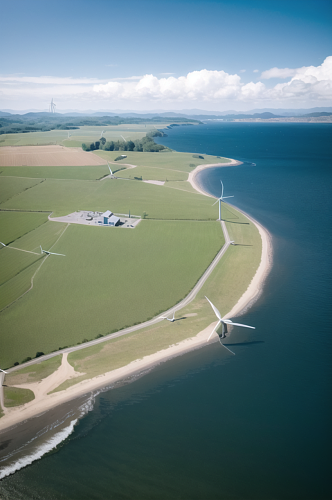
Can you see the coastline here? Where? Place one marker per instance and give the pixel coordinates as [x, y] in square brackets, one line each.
[40, 404]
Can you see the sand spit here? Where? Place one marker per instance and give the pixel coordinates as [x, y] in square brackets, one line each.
[44, 402]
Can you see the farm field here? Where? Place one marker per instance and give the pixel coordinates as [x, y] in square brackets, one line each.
[15, 224]
[87, 173]
[67, 196]
[109, 279]
[46, 156]
[78, 136]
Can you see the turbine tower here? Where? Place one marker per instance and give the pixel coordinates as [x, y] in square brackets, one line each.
[52, 106]
[222, 198]
[224, 322]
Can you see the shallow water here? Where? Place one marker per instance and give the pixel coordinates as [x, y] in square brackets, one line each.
[205, 425]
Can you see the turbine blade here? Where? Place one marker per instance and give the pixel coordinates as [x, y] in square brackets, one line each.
[217, 313]
[2, 243]
[214, 329]
[226, 347]
[222, 189]
[228, 196]
[245, 326]
[216, 202]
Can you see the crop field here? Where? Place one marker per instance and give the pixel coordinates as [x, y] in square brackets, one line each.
[47, 156]
[12, 186]
[17, 267]
[109, 279]
[15, 224]
[67, 196]
[84, 172]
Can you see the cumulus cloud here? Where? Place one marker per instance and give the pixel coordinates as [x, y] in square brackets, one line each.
[307, 85]
[311, 82]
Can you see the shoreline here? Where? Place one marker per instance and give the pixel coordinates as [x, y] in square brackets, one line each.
[40, 404]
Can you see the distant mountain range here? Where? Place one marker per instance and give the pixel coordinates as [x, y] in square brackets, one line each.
[196, 114]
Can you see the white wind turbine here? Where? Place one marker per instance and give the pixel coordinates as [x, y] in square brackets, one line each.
[222, 198]
[109, 168]
[50, 253]
[169, 319]
[224, 322]
[101, 134]
[52, 106]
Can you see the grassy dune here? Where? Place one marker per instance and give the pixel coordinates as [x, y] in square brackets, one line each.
[34, 373]
[169, 160]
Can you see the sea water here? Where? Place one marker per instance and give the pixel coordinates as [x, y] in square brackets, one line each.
[252, 426]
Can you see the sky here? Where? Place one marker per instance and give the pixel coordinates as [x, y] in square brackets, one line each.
[149, 55]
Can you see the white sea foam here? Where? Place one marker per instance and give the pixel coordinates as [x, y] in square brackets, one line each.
[49, 445]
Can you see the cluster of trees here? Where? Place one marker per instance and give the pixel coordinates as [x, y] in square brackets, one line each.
[145, 144]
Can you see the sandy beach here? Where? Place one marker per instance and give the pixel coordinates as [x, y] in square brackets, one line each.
[44, 402]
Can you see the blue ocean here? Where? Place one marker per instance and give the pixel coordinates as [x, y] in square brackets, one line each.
[254, 427]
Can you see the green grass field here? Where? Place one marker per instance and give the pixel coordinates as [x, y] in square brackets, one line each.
[169, 160]
[12, 186]
[15, 224]
[34, 373]
[18, 267]
[83, 173]
[15, 396]
[66, 196]
[109, 279]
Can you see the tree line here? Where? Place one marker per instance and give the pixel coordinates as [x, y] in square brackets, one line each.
[146, 144]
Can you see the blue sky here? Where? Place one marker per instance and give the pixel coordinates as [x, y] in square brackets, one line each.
[167, 54]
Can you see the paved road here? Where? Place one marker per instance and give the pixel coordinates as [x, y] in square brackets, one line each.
[151, 322]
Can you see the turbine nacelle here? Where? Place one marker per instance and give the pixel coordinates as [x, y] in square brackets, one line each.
[169, 319]
[47, 252]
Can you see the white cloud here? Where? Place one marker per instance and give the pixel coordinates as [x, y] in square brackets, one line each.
[308, 86]
[242, 70]
[256, 71]
[278, 73]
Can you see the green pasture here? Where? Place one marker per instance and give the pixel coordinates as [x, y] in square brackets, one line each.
[83, 173]
[18, 267]
[15, 396]
[66, 196]
[110, 278]
[13, 225]
[224, 287]
[34, 373]
[170, 160]
[12, 186]
[78, 136]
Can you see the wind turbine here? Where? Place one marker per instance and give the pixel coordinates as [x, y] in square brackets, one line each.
[68, 135]
[222, 198]
[109, 168]
[50, 253]
[52, 106]
[3, 244]
[169, 319]
[3, 371]
[101, 134]
[224, 322]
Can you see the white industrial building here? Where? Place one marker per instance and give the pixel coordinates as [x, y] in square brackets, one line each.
[108, 219]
